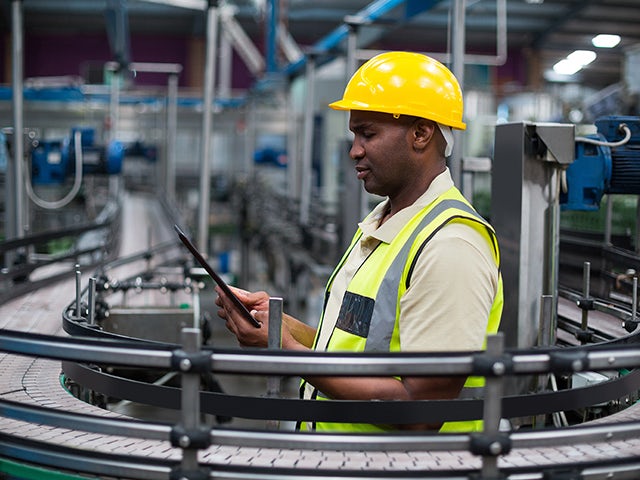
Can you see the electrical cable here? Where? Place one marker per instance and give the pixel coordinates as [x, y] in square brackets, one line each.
[77, 183]
[627, 136]
[622, 126]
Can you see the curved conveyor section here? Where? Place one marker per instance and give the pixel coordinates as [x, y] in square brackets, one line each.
[47, 433]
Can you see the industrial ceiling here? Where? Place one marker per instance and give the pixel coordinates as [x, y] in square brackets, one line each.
[543, 31]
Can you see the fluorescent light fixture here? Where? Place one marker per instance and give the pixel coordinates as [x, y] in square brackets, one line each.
[605, 40]
[551, 76]
[188, 4]
[566, 67]
[582, 57]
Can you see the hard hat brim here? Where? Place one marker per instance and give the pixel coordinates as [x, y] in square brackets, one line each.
[348, 105]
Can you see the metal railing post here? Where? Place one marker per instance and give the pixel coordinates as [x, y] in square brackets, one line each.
[78, 312]
[91, 300]
[274, 343]
[190, 400]
[546, 338]
[492, 409]
[585, 304]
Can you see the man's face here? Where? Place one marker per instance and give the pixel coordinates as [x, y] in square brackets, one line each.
[382, 150]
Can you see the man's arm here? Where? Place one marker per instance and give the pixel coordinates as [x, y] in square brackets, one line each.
[297, 336]
[301, 332]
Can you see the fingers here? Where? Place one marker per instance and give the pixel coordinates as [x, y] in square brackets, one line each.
[232, 327]
[239, 291]
[261, 315]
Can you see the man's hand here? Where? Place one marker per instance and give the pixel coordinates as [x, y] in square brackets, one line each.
[258, 304]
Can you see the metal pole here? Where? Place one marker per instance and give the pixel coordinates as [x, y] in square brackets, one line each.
[275, 323]
[91, 312]
[457, 67]
[637, 239]
[205, 163]
[551, 265]
[196, 304]
[16, 229]
[547, 336]
[586, 292]
[274, 343]
[172, 128]
[634, 300]
[190, 398]
[226, 65]
[78, 313]
[362, 198]
[608, 221]
[492, 406]
[114, 103]
[305, 191]
[273, 12]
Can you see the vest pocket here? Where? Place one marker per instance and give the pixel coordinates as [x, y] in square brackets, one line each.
[355, 314]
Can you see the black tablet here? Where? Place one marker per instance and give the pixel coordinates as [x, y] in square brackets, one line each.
[221, 283]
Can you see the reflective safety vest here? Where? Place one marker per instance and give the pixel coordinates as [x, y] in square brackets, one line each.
[370, 312]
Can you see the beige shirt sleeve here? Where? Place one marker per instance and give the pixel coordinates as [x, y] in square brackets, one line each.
[447, 305]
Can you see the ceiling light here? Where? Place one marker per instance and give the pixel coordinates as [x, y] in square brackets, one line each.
[551, 76]
[566, 67]
[605, 40]
[582, 57]
[189, 4]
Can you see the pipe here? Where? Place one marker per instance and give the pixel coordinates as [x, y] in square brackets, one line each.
[371, 12]
[241, 42]
[457, 67]
[274, 342]
[16, 227]
[114, 102]
[226, 65]
[351, 67]
[205, 163]
[306, 185]
[273, 12]
[172, 128]
[469, 58]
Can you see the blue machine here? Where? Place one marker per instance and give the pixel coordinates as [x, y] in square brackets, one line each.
[600, 169]
[52, 161]
[271, 156]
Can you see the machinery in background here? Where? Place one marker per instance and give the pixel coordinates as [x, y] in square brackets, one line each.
[53, 161]
[605, 163]
[538, 170]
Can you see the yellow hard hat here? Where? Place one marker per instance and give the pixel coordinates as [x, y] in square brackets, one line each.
[404, 83]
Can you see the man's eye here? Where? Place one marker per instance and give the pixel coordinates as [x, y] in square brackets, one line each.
[368, 134]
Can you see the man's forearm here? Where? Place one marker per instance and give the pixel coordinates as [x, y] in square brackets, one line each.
[301, 332]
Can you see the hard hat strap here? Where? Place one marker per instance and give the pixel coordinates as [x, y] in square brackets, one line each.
[448, 137]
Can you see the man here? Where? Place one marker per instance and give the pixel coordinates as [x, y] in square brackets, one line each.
[422, 271]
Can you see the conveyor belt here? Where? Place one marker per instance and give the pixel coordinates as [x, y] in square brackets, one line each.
[37, 382]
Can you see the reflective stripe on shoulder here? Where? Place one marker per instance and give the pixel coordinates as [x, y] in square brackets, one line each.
[384, 314]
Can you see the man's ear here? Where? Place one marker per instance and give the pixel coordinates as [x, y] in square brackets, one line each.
[424, 132]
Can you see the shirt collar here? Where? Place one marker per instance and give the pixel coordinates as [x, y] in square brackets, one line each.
[387, 232]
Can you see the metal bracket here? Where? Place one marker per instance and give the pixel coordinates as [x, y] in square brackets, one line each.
[196, 362]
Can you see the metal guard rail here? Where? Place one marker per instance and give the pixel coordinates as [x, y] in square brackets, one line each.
[495, 364]
[167, 357]
[139, 467]
[17, 274]
[265, 362]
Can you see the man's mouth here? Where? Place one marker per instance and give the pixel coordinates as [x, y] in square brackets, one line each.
[361, 172]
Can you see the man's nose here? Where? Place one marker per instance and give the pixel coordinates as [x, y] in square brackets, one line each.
[356, 151]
